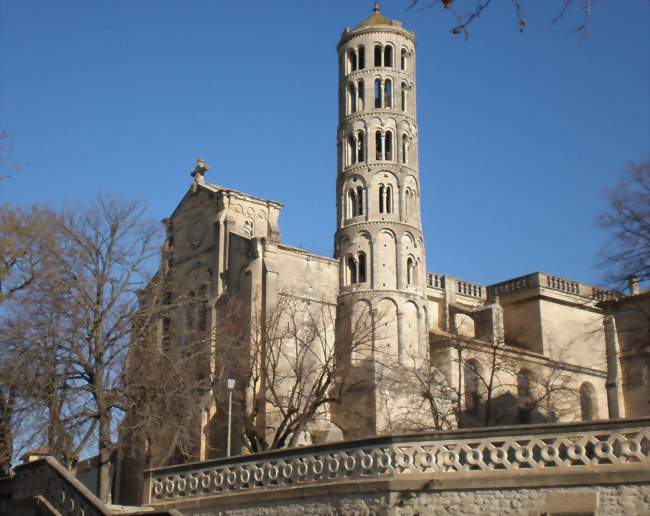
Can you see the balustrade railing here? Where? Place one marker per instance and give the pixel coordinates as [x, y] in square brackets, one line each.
[523, 450]
[466, 288]
[563, 285]
[435, 280]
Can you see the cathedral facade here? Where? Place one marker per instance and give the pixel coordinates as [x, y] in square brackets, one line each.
[528, 349]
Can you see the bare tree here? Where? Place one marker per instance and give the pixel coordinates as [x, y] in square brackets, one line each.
[287, 367]
[467, 12]
[628, 222]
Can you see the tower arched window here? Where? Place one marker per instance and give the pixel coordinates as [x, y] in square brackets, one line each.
[378, 55]
[389, 199]
[361, 94]
[362, 267]
[377, 93]
[379, 151]
[352, 205]
[352, 97]
[410, 271]
[361, 147]
[405, 149]
[389, 146]
[403, 59]
[360, 203]
[403, 96]
[388, 56]
[351, 151]
[385, 199]
[352, 59]
[351, 270]
[362, 57]
[388, 93]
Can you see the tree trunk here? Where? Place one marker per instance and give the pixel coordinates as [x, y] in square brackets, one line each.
[104, 464]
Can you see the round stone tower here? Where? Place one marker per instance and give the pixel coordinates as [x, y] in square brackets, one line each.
[382, 317]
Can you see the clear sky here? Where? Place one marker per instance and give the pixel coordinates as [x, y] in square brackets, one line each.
[520, 134]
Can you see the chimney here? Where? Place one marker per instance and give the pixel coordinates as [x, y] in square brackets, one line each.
[634, 285]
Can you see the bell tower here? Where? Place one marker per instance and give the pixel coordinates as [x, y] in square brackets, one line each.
[382, 314]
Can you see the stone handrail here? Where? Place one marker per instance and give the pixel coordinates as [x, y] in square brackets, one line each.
[46, 480]
[561, 448]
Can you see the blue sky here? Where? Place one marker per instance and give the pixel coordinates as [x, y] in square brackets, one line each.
[520, 134]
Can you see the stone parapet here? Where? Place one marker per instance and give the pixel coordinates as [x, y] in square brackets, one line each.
[529, 456]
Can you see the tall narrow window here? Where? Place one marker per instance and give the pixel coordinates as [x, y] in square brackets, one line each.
[377, 93]
[382, 195]
[362, 267]
[352, 203]
[388, 93]
[351, 268]
[389, 146]
[388, 56]
[361, 95]
[410, 271]
[353, 61]
[523, 393]
[359, 201]
[473, 374]
[362, 57]
[377, 55]
[361, 150]
[203, 309]
[407, 202]
[378, 146]
[389, 199]
[351, 151]
[588, 402]
[403, 59]
[352, 96]
[405, 149]
[403, 92]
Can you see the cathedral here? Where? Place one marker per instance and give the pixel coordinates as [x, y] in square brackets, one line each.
[535, 348]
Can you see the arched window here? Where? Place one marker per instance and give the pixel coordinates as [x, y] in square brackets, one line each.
[403, 60]
[403, 92]
[377, 55]
[352, 98]
[361, 94]
[362, 267]
[351, 150]
[389, 199]
[352, 56]
[410, 271]
[472, 377]
[388, 93]
[351, 270]
[362, 57]
[405, 149]
[388, 56]
[378, 146]
[377, 93]
[352, 203]
[359, 210]
[382, 198]
[389, 146]
[588, 402]
[361, 148]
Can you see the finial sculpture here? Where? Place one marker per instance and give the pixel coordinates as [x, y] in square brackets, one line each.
[201, 168]
[376, 9]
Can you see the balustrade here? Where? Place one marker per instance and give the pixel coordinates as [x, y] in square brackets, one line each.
[563, 448]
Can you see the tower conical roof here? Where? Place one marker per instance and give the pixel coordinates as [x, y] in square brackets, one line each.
[376, 18]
